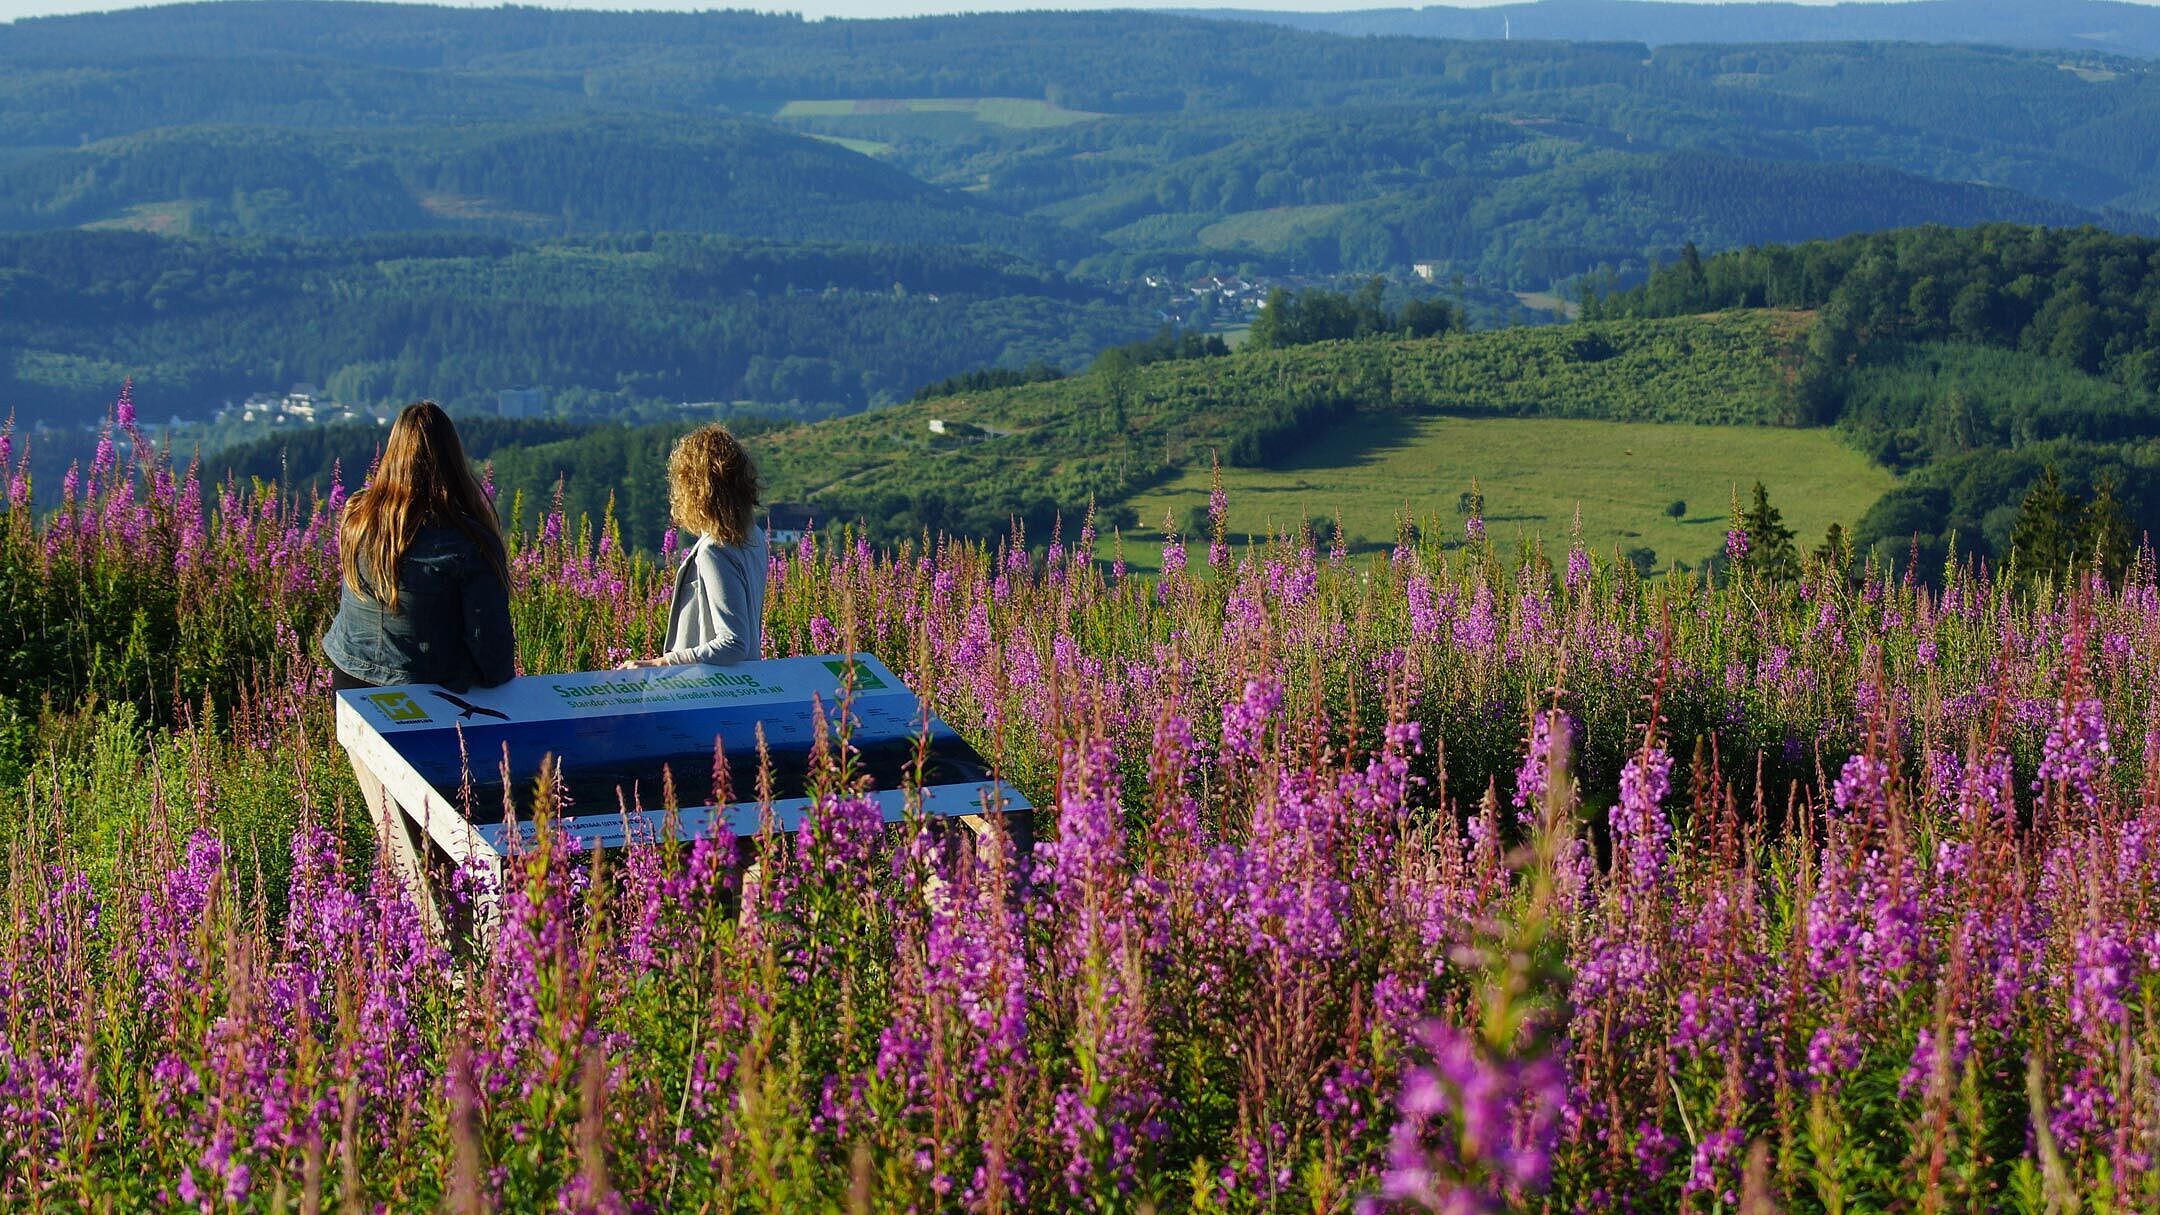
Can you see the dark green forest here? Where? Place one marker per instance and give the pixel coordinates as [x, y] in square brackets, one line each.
[605, 322]
[1972, 359]
[2078, 25]
[1156, 143]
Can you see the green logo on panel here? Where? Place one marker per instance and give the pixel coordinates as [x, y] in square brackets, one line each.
[399, 707]
[865, 679]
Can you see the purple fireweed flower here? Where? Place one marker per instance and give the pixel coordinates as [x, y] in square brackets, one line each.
[2103, 972]
[1474, 1133]
[1641, 835]
[1654, 1150]
[1100, 1121]
[169, 916]
[1424, 618]
[2076, 752]
[1547, 728]
[1218, 511]
[1863, 785]
[1833, 1051]
[1245, 721]
[1736, 545]
[108, 455]
[1710, 1167]
[1474, 529]
[1478, 630]
[1920, 1069]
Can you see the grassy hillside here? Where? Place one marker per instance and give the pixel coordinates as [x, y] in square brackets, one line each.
[1534, 473]
[1098, 436]
[1620, 418]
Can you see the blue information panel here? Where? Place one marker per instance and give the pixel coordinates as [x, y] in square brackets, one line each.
[619, 736]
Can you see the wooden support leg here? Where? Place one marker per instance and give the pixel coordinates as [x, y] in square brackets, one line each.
[1019, 827]
[403, 845]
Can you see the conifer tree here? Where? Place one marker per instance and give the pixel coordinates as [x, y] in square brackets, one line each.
[1770, 542]
[2105, 542]
[1836, 548]
[2046, 527]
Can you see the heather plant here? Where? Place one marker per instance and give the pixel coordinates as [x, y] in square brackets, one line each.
[1441, 881]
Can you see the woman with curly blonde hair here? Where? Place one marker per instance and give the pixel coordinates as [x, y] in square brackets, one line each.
[718, 614]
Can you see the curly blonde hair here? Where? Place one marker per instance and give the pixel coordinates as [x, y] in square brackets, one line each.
[712, 484]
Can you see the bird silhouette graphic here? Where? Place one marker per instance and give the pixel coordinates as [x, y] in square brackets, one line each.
[470, 709]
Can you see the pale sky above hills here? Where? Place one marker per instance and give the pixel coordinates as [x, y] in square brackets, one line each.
[12, 9]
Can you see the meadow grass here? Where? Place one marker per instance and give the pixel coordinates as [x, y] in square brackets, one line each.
[1269, 229]
[1016, 113]
[163, 218]
[864, 147]
[1533, 472]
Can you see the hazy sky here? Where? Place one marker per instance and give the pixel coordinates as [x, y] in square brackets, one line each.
[12, 9]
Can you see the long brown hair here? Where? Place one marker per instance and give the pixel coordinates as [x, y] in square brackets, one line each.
[422, 479]
[713, 484]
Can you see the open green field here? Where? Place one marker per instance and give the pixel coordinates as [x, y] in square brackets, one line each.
[1269, 229]
[1534, 472]
[862, 147]
[163, 219]
[1015, 113]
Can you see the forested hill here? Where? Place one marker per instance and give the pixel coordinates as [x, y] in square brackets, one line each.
[1975, 359]
[1124, 143]
[562, 162]
[610, 173]
[606, 324]
[2101, 25]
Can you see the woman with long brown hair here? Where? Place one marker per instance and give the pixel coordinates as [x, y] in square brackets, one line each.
[426, 594]
[425, 599]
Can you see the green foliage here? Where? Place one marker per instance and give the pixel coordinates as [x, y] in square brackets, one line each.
[1301, 318]
[983, 379]
[2045, 534]
[2083, 299]
[1973, 504]
[603, 324]
[1059, 442]
[1770, 543]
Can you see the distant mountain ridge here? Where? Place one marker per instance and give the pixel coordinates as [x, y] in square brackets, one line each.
[1134, 162]
[2093, 25]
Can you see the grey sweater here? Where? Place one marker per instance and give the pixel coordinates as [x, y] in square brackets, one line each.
[718, 615]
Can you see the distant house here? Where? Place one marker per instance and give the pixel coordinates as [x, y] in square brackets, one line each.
[785, 522]
[1425, 270]
[955, 430]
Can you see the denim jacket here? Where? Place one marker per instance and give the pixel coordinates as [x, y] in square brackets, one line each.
[451, 626]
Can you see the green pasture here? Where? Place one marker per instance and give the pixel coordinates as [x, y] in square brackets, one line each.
[864, 147]
[161, 218]
[1014, 113]
[1269, 229]
[1533, 473]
